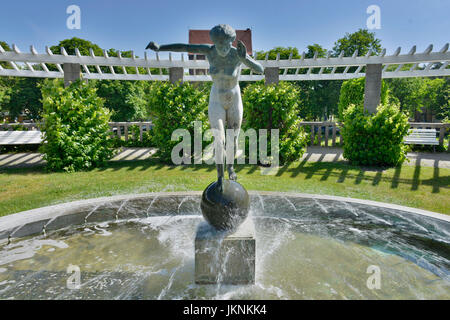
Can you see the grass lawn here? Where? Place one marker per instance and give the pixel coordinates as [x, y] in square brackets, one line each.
[420, 187]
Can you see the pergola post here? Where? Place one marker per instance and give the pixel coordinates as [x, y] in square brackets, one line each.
[72, 72]
[176, 74]
[372, 91]
[272, 75]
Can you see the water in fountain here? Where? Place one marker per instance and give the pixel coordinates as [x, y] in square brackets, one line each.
[306, 249]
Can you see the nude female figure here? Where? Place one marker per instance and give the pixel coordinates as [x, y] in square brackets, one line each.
[225, 103]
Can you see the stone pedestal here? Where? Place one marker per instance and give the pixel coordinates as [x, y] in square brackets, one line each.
[225, 257]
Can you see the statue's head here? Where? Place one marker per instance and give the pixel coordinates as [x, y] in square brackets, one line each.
[222, 36]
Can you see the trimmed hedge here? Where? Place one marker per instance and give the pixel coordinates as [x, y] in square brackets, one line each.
[276, 107]
[375, 139]
[75, 126]
[352, 92]
[175, 106]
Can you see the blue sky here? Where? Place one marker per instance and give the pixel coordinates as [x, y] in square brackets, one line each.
[131, 24]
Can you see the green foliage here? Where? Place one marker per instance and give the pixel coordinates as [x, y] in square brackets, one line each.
[71, 44]
[175, 107]
[414, 94]
[84, 46]
[407, 91]
[5, 95]
[361, 40]
[5, 47]
[276, 107]
[375, 139]
[20, 96]
[319, 99]
[127, 99]
[435, 94]
[315, 48]
[75, 126]
[25, 98]
[282, 51]
[352, 92]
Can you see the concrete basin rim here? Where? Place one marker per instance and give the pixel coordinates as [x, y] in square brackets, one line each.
[53, 211]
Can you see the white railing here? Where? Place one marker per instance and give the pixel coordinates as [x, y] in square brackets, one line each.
[34, 64]
[321, 132]
[118, 129]
[123, 129]
[22, 126]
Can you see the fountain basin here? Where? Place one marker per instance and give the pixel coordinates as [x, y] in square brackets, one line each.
[142, 247]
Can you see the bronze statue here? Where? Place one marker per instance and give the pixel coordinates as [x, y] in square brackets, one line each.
[225, 103]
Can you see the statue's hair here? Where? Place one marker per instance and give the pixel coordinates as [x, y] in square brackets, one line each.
[222, 31]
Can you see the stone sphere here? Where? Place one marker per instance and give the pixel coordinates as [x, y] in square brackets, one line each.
[228, 209]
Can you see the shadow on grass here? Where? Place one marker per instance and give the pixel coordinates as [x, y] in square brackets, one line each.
[341, 172]
[334, 172]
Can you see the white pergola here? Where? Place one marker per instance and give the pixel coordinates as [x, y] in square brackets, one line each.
[423, 65]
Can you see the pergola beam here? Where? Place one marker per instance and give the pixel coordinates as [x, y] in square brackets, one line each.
[16, 59]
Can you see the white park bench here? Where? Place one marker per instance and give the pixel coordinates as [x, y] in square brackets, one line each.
[422, 136]
[20, 137]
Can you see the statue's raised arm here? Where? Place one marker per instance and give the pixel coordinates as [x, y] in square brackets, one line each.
[180, 47]
[247, 60]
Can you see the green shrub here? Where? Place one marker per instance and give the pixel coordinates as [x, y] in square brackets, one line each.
[175, 107]
[276, 107]
[375, 139]
[75, 126]
[352, 92]
[126, 99]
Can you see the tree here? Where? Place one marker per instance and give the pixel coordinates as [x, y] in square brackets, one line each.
[435, 96]
[321, 96]
[361, 40]
[313, 48]
[282, 51]
[71, 44]
[5, 95]
[317, 98]
[6, 85]
[20, 96]
[127, 99]
[407, 91]
[415, 94]
[5, 47]
[83, 46]
[25, 98]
